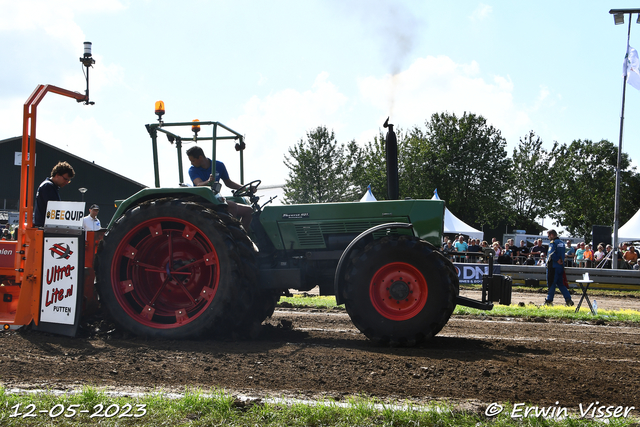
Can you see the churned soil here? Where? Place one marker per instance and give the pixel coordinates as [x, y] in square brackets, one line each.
[312, 353]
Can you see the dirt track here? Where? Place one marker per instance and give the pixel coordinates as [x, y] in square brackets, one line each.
[307, 353]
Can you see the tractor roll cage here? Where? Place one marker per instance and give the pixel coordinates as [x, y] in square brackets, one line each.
[154, 128]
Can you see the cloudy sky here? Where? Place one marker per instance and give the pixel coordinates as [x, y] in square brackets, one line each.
[273, 70]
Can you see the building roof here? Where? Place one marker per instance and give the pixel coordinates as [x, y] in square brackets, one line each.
[104, 186]
[75, 158]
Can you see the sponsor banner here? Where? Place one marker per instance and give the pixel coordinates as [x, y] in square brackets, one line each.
[7, 253]
[64, 214]
[473, 273]
[59, 280]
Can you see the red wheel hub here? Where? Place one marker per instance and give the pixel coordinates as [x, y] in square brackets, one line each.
[398, 291]
[165, 272]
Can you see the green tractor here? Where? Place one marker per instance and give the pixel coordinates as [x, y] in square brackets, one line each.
[174, 264]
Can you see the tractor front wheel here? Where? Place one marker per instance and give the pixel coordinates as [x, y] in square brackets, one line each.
[400, 290]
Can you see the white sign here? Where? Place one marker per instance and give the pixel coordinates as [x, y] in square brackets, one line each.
[64, 214]
[13, 218]
[17, 159]
[60, 271]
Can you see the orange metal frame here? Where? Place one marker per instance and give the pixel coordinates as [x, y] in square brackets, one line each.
[24, 290]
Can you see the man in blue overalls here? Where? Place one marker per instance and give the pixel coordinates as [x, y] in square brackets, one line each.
[555, 269]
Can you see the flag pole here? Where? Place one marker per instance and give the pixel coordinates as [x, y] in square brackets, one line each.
[616, 208]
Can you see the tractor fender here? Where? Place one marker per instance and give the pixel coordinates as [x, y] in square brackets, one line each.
[367, 234]
[203, 194]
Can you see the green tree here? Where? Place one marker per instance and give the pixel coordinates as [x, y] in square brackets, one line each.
[373, 170]
[629, 195]
[356, 168]
[584, 175]
[466, 159]
[321, 170]
[374, 166]
[529, 193]
[417, 179]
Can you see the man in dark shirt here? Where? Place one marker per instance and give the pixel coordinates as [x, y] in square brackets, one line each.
[474, 247]
[448, 249]
[537, 249]
[522, 252]
[61, 175]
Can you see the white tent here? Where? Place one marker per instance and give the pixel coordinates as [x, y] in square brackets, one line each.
[631, 230]
[368, 196]
[454, 225]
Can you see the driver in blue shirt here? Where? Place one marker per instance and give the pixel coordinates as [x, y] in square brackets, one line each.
[200, 174]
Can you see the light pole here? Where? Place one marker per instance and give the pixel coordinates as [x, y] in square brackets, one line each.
[82, 190]
[618, 18]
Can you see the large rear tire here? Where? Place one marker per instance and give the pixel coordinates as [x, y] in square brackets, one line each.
[257, 304]
[172, 269]
[400, 290]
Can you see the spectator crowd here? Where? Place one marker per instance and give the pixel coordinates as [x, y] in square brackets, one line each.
[581, 255]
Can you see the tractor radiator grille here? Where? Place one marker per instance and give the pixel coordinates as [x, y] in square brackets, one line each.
[309, 236]
[347, 227]
[312, 235]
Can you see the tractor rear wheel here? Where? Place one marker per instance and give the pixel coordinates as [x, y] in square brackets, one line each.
[172, 269]
[258, 304]
[400, 290]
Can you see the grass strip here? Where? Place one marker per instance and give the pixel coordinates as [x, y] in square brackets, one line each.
[532, 311]
[528, 311]
[542, 290]
[196, 408]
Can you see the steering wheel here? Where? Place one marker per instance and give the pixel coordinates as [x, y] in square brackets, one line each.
[245, 190]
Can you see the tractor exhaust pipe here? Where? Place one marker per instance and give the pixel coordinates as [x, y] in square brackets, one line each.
[391, 146]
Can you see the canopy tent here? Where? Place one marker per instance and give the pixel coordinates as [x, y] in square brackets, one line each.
[368, 196]
[454, 225]
[631, 230]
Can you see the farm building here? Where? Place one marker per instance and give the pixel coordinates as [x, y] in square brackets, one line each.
[102, 186]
